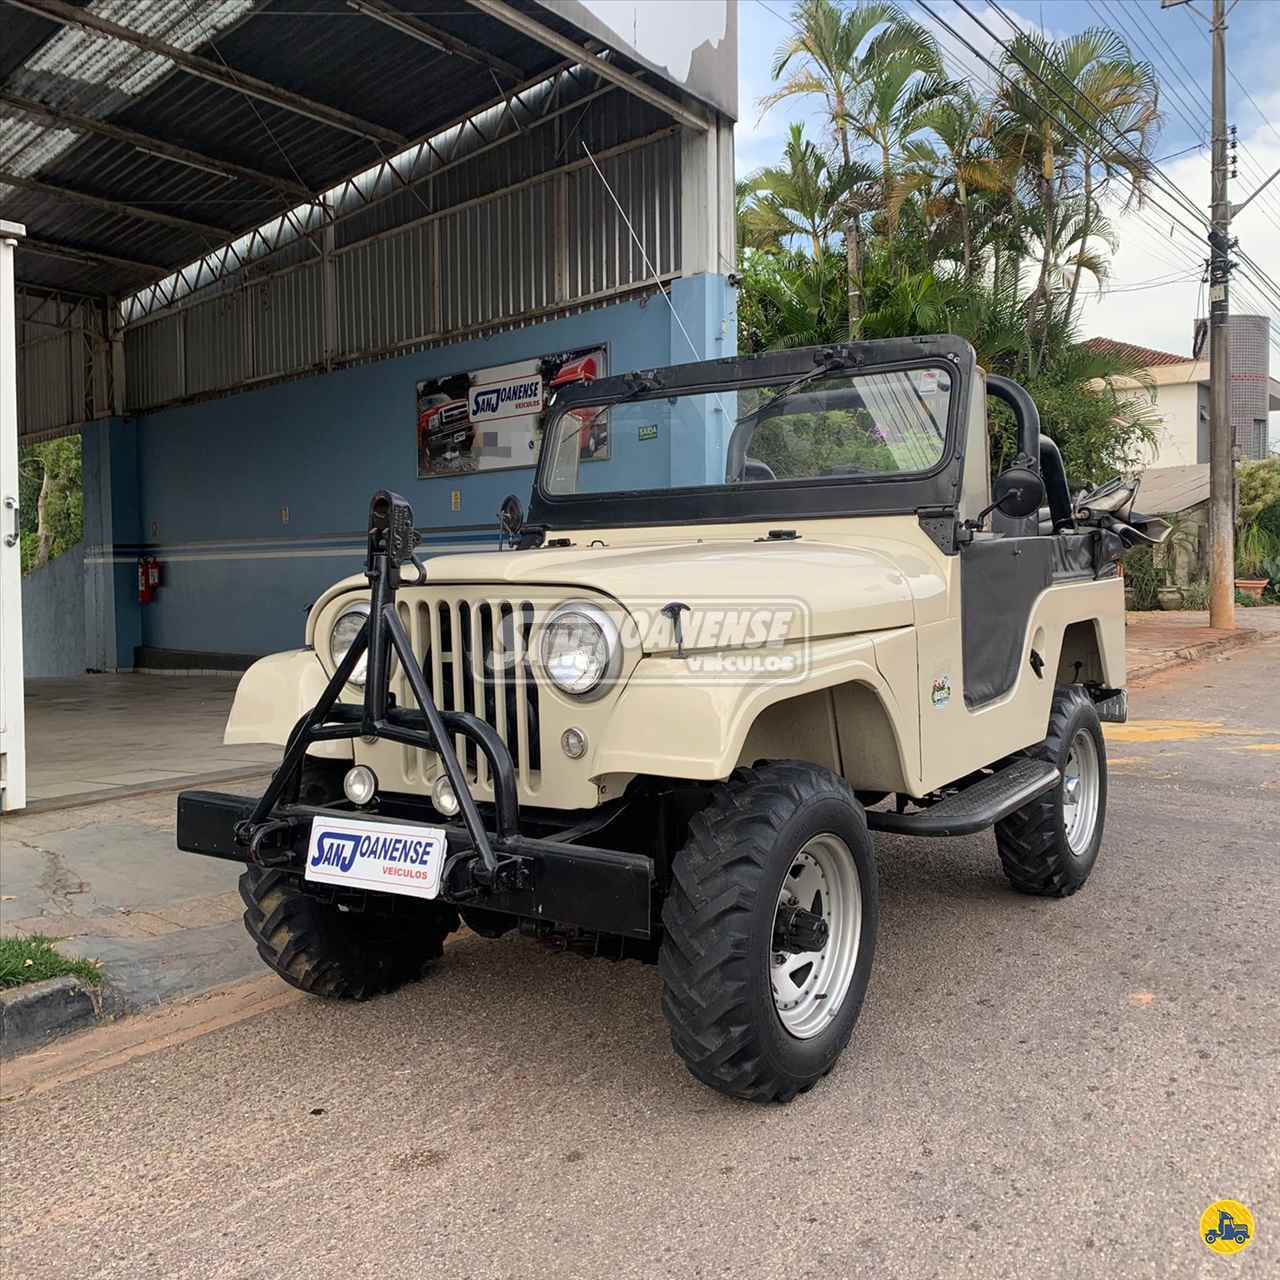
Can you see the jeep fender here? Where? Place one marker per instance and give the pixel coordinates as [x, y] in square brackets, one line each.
[273, 695]
[670, 722]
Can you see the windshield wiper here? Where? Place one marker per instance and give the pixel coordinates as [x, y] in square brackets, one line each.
[830, 362]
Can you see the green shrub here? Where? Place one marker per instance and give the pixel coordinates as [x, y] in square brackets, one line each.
[1195, 595]
[1245, 601]
[1143, 578]
[1259, 488]
[1254, 547]
[1269, 519]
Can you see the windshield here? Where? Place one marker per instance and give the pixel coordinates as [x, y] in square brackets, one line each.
[883, 424]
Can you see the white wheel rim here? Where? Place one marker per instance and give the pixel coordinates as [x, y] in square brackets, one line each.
[1081, 792]
[809, 987]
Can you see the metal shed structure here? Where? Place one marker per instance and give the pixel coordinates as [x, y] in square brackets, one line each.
[253, 228]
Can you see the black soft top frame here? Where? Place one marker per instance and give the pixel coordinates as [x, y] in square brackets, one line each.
[936, 489]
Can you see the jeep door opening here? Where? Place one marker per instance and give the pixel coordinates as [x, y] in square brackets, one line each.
[789, 608]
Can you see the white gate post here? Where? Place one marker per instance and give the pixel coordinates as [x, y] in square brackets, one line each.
[13, 756]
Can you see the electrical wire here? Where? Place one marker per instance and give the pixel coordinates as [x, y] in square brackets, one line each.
[1166, 185]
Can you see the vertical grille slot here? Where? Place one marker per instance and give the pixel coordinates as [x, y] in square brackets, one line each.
[476, 657]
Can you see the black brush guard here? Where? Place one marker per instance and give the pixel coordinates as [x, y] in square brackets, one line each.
[557, 882]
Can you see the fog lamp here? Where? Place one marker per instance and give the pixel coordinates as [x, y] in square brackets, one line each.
[443, 797]
[574, 742]
[360, 784]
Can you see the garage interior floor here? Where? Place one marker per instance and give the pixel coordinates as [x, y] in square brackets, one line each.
[96, 736]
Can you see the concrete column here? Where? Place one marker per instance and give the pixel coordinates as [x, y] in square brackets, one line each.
[112, 534]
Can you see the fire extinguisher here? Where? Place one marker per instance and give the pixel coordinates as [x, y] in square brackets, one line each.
[149, 578]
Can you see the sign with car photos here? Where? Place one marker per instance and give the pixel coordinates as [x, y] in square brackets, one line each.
[492, 419]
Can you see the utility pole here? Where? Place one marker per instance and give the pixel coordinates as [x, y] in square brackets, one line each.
[1222, 596]
[1222, 553]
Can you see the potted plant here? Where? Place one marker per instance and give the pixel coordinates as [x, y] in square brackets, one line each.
[1254, 547]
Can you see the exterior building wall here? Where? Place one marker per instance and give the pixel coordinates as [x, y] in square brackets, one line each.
[1178, 406]
[53, 636]
[255, 503]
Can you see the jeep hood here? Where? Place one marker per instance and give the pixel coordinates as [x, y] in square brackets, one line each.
[843, 588]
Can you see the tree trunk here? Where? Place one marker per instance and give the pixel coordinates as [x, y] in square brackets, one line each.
[44, 535]
[965, 234]
[852, 250]
[853, 264]
[1084, 235]
[1048, 207]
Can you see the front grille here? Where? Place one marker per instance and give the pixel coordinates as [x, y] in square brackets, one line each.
[452, 414]
[476, 656]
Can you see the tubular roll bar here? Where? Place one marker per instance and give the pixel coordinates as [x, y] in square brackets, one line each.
[1037, 451]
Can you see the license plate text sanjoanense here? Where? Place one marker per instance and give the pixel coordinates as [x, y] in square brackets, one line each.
[389, 857]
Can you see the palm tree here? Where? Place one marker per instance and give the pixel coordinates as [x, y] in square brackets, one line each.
[802, 197]
[901, 80]
[824, 57]
[1120, 98]
[1061, 104]
[959, 158]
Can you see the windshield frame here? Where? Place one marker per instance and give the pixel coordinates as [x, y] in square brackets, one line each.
[822, 496]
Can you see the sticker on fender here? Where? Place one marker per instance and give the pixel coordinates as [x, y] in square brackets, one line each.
[390, 858]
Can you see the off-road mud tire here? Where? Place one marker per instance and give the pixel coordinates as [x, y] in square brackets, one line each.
[348, 955]
[1032, 842]
[718, 919]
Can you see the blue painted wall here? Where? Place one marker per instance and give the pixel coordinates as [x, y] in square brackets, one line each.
[211, 479]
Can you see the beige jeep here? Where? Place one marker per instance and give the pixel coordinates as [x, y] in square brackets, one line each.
[788, 609]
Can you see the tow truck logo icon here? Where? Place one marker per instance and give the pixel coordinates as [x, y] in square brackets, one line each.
[336, 849]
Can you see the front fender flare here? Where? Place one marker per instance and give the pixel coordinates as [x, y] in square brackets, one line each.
[670, 722]
[273, 695]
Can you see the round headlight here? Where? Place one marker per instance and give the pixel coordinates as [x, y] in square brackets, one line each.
[342, 636]
[581, 651]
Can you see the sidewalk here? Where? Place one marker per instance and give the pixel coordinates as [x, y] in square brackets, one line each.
[1155, 640]
[107, 880]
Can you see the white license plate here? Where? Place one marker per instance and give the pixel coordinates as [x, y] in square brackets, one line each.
[388, 857]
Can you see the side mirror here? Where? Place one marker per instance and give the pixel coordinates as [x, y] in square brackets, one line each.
[1018, 492]
[510, 517]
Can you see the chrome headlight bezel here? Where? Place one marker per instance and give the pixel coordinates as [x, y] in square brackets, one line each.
[360, 608]
[608, 628]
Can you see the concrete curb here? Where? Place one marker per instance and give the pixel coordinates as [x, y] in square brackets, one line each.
[80, 799]
[1194, 652]
[33, 1014]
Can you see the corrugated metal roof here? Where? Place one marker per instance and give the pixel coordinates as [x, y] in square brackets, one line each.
[327, 52]
[1167, 490]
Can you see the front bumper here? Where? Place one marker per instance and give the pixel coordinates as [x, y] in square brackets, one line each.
[570, 885]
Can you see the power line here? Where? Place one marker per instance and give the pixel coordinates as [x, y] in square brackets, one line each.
[1174, 219]
[1259, 276]
[1163, 182]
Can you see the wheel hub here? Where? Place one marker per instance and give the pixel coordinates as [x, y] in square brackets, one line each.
[1081, 793]
[796, 930]
[816, 931]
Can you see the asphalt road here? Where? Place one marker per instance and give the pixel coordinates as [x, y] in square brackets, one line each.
[1035, 1088]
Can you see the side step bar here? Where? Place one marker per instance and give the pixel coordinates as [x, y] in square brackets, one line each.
[976, 807]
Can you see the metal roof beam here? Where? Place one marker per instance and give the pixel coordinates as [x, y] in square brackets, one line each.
[522, 22]
[91, 257]
[157, 146]
[116, 206]
[68, 15]
[413, 26]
